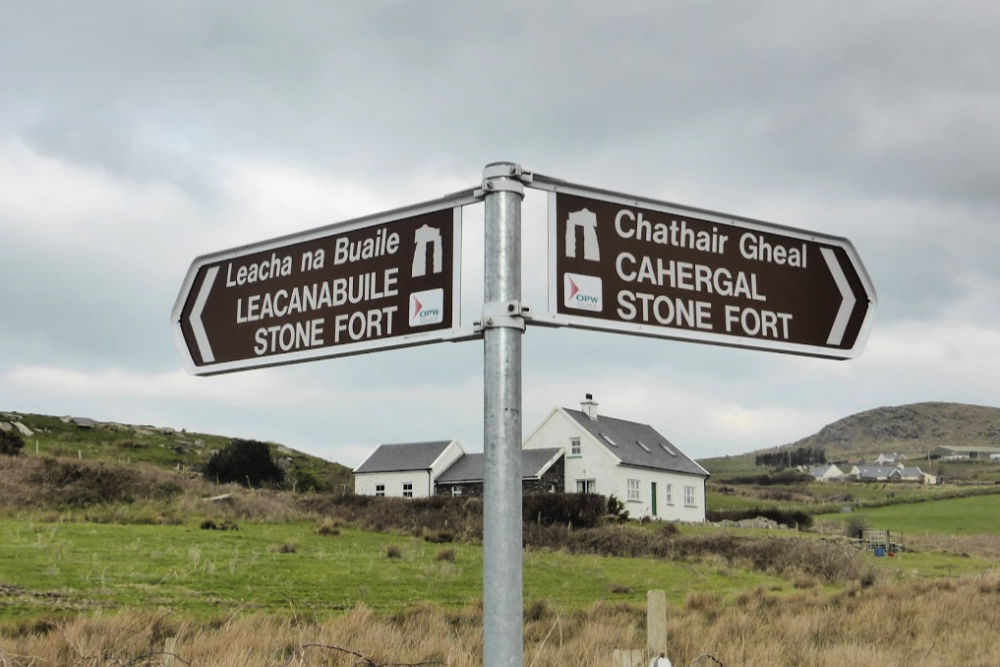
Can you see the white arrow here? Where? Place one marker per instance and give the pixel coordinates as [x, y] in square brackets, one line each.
[846, 293]
[200, 337]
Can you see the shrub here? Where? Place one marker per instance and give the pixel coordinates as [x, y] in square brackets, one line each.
[790, 518]
[855, 526]
[328, 527]
[11, 443]
[438, 536]
[446, 554]
[578, 510]
[208, 524]
[393, 551]
[283, 548]
[246, 462]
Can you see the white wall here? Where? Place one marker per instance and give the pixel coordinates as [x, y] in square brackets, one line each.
[598, 463]
[444, 460]
[364, 483]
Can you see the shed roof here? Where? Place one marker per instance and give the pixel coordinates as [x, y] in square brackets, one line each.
[637, 444]
[404, 456]
[470, 468]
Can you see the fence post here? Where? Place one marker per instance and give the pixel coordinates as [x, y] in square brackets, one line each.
[656, 622]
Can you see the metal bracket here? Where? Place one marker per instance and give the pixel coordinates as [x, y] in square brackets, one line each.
[511, 314]
[504, 177]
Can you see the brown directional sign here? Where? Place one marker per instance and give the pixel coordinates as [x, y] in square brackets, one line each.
[638, 266]
[380, 282]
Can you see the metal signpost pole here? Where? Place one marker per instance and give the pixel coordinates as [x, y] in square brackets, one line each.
[503, 326]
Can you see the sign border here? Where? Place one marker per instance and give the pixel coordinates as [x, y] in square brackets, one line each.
[456, 202]
[554, 318]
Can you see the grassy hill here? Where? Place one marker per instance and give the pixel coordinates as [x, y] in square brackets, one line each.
[163, 447]
[912, 429]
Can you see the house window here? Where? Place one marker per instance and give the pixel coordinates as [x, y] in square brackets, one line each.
[574, 446]
[689, 496]
[586, 486]
[456, 490]
[633, 490]
[407, 490]
[380, 489]
[668, 494]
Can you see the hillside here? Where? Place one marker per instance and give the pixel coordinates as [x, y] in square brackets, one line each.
[912, 429]
[165, 447]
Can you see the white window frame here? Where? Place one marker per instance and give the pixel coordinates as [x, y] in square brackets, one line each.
[668, 494]
[380, 489]
[407, 489]
[574, 447]
[456, 490]
[689, 496]
[586, 486]
[634, 490]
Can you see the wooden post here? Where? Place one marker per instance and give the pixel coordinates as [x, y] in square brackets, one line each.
[168, 649]
[627, 657]
[656, 622]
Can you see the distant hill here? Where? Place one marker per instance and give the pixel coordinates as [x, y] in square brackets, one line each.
[166, 447]
[912, 429]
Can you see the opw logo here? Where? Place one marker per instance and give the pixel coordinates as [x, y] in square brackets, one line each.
[427, 307]
[582, 292]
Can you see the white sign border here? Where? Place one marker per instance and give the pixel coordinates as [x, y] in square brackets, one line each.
[553, 318]
[456, 333]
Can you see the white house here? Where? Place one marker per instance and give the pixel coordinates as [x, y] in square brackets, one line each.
[911, 474]
[826, 472]
[626, 459]
[890, 459]
[406, 470]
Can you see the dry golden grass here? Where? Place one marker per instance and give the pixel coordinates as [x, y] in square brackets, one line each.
[945, 622]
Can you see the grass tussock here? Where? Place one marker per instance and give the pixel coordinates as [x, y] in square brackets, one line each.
[944, 622]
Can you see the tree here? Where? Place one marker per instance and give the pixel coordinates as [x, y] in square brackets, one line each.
[11, 443]
[246, 462]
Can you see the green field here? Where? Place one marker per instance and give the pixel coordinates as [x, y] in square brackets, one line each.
[69, 567]
[974, 515]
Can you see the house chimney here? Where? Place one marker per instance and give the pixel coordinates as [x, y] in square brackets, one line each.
[589, 407]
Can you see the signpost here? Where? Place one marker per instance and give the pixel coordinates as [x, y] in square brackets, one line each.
[620, 263]
[616, 263]
[385, 281]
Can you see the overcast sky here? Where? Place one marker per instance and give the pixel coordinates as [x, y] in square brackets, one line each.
[137, 136]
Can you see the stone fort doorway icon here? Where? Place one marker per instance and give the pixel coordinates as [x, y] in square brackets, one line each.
[427, 236]
[585, 220]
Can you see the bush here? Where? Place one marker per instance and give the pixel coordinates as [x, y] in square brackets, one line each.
[578, 510]
[855, 526]
[11, 443]
[790, 518]
[393, 551]
[283, 548]
[246, 462]
[446, 554]
[329, 527]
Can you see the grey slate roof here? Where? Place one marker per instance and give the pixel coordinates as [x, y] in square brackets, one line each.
[403, 456]
[469, 468]
[626, 435]
[875, 472]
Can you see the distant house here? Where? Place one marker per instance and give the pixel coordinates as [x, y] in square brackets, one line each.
[951, 453]
[825, 473]
[864, 473]
[405, 470]
[911, 474]
[626, 459]
[890, 459]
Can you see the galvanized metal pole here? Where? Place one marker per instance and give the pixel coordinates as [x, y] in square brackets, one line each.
[503, 327]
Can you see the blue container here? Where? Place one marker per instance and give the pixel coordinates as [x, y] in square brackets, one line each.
[879, 551]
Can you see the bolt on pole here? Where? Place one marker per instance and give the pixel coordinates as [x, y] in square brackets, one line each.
[503, 327]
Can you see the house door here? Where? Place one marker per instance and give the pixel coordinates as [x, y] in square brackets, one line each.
[652, 498]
